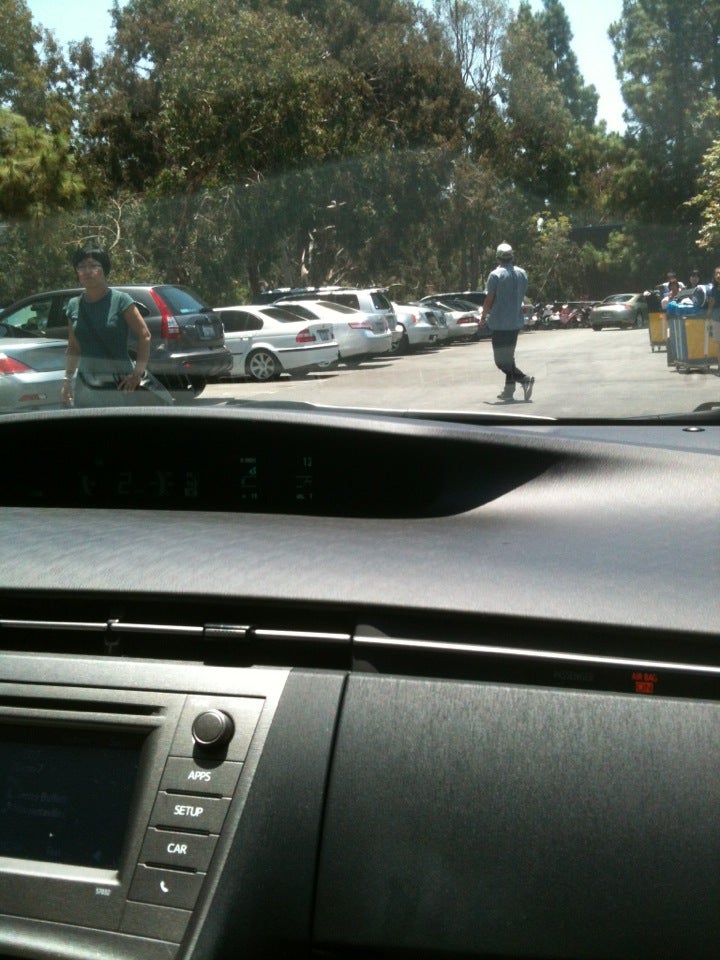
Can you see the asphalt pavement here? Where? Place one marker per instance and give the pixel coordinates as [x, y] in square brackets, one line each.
[578, 374]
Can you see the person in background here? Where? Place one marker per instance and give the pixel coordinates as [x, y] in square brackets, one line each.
[694, 278]
[503, 312]
[100, 320]
[713, 304]
[671, 289]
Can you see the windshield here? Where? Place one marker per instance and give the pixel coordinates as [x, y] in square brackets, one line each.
[523, 164]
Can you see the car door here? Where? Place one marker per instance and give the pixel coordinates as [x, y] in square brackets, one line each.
[239, 326]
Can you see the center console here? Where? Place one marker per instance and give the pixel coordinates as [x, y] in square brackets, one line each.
[122, 782]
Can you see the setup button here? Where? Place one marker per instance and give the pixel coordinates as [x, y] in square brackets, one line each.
[189, 813]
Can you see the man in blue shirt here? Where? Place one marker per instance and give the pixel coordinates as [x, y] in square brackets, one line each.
[503, 312]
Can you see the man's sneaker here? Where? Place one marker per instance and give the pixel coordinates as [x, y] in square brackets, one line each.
[508, 393]
[527, 384]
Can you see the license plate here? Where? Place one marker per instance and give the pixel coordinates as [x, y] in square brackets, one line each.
[324, 334]
[207, 331]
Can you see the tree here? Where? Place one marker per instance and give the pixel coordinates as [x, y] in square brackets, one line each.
[537, 120]
[37, 171]
[707, 200]
[21, 74]
[580, 99]
[334, 107]
[553, 258]
[474, 31]
[668, 64]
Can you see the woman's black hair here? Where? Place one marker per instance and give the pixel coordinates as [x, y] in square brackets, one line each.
[97, 253]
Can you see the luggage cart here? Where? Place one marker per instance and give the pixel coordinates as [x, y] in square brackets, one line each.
[657, 322]
[690, 338]
[658, 329]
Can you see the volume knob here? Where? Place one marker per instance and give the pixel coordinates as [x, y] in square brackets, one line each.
[212, 728]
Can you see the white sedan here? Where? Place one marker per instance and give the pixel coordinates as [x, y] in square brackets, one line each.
[268, 340]
[463, 317]
[358, 334]
[418, 326]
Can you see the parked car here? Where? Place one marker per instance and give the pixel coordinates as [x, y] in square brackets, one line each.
[470, 296]
[418, 326]
[31, 373]
[358, 335]
[188, 345]
[462, 317]
[623, 310]
[477, 297]
[373, 301]
[268, 340]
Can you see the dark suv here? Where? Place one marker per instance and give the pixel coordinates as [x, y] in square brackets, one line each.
[188, 341]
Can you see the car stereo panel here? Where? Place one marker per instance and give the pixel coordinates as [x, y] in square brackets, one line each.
[113, 800]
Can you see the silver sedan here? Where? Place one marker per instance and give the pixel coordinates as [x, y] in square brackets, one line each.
[418, 326]
[31, 373]
[462, 317]
[622, 310]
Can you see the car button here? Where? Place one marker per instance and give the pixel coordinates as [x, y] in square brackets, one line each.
[181, 850]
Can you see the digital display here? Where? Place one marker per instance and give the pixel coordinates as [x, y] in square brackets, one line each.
[65, 794]
[251, 482]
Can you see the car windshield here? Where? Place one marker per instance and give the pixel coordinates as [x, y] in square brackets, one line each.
[506, 157]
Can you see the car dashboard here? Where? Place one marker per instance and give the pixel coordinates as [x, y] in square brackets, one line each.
[305, 683]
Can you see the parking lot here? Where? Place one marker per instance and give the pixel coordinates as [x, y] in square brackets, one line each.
[578, 373]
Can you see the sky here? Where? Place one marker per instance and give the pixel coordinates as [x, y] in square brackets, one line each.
[589, 20]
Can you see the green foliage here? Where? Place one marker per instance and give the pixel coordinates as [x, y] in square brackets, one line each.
[354, 141]
[707, 200]
[20, 67]
[552, 258]
[668, 62]
[581, 100]
[537, 120]
[37, 172]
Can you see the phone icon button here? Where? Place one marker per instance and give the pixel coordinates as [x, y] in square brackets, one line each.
[169, 888]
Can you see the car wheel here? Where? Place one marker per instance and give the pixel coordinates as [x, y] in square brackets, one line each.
[403, 344]
[261, 366]
[639, 320]
[197, 385]
[596, 327]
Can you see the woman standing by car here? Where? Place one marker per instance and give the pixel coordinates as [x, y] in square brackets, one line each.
[99, 323]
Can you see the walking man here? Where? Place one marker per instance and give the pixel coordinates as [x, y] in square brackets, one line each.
[502, 310]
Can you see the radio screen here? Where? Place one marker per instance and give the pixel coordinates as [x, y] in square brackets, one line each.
[65, 794]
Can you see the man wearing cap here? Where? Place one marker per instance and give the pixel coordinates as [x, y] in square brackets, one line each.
[503, 312]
